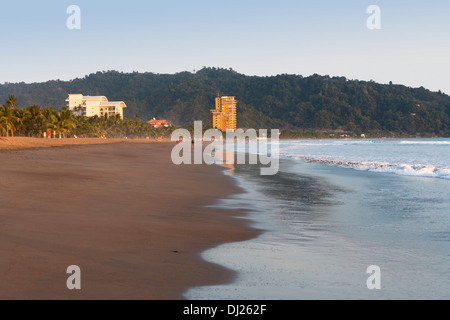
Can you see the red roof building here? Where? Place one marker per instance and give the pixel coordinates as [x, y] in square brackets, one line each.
[158, 123]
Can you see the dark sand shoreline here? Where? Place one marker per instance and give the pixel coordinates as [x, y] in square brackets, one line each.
[131, 220]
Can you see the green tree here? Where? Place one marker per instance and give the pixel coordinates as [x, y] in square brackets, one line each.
[11, 101]
[21, 116]
[34, 122]
[62, 122]
[8, 119]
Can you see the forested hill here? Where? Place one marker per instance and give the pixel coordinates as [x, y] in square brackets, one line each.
[313, 103]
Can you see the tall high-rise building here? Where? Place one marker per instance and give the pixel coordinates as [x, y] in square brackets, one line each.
[223, 117]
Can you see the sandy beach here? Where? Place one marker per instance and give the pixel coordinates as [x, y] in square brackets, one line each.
[20, 143]
[130, 219]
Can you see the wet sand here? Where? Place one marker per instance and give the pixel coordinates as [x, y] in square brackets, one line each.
[130, 219]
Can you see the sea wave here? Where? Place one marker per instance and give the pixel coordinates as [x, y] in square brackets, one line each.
[404, 169]
[426, 142]
[302, 143]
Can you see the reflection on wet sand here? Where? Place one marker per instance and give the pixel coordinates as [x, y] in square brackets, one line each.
[221, 158]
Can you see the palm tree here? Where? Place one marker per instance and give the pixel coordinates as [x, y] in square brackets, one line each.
[34, 122]
[47, 113]
[11, 101]
[62, 122]
[115, 126]
[21, 117]
[7, 119]
[78, 111]
[67, 121]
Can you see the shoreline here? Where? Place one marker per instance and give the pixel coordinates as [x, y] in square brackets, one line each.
[367, 138]
[110, 209]
[23, 143]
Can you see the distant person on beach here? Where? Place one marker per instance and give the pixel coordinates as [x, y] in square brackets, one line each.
[49, 134]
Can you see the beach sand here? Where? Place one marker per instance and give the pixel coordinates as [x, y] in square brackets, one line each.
[19, 143]
[130, 219]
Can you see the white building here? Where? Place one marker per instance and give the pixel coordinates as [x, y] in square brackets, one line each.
[90, 106]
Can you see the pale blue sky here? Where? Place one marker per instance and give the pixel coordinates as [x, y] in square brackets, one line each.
[254, 37]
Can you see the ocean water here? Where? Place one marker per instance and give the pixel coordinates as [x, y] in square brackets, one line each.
[335, 208]
[418, 157]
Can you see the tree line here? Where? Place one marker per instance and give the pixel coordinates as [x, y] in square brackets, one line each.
[34, 121]
[289, 102]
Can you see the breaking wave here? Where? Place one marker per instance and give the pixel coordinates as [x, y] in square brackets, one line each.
[426, 142]
[385, 167]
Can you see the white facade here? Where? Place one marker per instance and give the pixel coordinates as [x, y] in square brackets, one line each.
[90, 106]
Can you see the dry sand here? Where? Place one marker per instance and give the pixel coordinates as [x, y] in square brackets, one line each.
[130, 219]
[18, 143]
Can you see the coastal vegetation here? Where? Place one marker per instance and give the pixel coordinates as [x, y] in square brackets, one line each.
[313, 106]
[34, 120]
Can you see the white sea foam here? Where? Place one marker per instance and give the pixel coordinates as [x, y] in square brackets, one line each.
[412, 157]
[410, 142]
[385, 167]
[299, 143]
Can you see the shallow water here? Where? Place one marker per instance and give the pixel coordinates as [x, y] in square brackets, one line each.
[326, 224]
